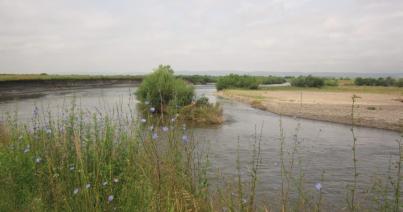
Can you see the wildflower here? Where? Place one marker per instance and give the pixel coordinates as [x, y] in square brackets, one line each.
[105, 183]
[71, 167]
[184, 126]
[185, 139]
[165, 129]
[318, 186]
[38, 159]
[88, 186]
[26, 150]
[110, 198]
[146, 102]
[115, 180]
[173, 119]
[143, 120]
[76, 190]
[244, 201]
[48, 131]
[152, 109]
[20, 138]
[154, 136]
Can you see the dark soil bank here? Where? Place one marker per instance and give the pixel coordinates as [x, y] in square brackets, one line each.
[35, 88]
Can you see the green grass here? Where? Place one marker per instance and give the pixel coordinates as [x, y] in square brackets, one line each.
[357, 89]
[82, 161]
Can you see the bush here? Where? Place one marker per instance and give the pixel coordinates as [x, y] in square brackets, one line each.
[161, 89]
[308, 81]
[237, 81]
[399, 83]
[198, 79]
[272, 80]
[331, 82]
[388, 81]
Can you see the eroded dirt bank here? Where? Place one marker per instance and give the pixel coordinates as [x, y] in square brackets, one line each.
[36, 88]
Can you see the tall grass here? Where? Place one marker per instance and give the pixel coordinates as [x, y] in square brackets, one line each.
[84, 161]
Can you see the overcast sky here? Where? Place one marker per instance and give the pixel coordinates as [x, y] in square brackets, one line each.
[128, 36]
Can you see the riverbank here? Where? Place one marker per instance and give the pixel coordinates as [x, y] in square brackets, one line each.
[32, 88]
[377, 110]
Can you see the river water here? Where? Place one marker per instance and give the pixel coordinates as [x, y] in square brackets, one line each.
[322, 146]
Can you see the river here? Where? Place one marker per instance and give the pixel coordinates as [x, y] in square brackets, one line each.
[323, 146]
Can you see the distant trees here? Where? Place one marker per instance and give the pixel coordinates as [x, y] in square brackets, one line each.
[237, 81]
[199, 79]
[271, 80]
[308, 81]
[388, 81]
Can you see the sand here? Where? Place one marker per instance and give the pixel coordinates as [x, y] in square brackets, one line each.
[384, 111]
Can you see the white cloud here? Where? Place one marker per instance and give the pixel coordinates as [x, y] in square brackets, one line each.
[60, 36]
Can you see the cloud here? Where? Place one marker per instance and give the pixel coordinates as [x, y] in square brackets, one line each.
[60, 36]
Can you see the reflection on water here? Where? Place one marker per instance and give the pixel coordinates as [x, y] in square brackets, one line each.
[323, 146]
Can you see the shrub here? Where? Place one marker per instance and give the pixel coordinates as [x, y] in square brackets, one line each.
[237, 81]
[308, 81]
[161, 89]
[272, 80]
[198, 79]
[399, 83]
[331, 82]
[388, 81]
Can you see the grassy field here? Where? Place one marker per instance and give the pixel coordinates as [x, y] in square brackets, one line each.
[346, 88]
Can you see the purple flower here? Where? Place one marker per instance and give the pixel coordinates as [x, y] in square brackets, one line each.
[110, 198]
[143, 120]
[155, 136]
[318, 186]
[165, 129]
[152, 109]
[76, 190]
[185, 139]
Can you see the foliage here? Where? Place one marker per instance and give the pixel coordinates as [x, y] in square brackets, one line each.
[199, 79]
[399, 83]
[161, 89]
[202, 113]
[388, 81]
[331, 82]
[237, 81]
[272, 80]
[308, 81]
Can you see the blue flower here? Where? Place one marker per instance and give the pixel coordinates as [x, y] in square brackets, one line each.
[152, 109]
[165, 129]
[110, 198]
[318, 186]
[154, 136]
[185, 139]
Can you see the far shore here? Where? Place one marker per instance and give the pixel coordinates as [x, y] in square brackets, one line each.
[376, 110]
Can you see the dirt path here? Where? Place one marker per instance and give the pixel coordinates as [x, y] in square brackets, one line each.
[384, 111]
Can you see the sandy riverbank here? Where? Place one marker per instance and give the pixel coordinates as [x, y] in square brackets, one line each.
[384, 111]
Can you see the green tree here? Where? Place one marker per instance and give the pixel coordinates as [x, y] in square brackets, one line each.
[161, 89]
